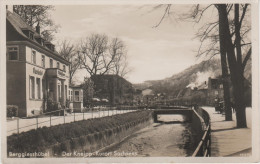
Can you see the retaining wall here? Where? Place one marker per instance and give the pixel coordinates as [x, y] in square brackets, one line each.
[88, 145]
[197, 126]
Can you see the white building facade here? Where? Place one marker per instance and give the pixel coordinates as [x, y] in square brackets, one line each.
[35, 71]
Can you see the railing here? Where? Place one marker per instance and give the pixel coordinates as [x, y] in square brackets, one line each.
[204, 147]
[56, 117]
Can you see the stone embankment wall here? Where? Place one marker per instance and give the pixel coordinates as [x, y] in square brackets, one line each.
[89, 145]
[197, 126]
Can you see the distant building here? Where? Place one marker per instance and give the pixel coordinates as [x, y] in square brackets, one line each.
[35, 72]
[113, 88]
[148, 96]
[138, 97]
[215, 90]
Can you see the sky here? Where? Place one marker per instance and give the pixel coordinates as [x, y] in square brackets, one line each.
[153, 53]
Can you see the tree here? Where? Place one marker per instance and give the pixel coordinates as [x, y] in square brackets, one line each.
[34, 14]
[120, 63]
[229, 30]
[69, 52]
[234, 56]
[99, 55]
[88, 91]
[223, 31]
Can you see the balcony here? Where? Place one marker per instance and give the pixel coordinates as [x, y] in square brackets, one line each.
[56, 73]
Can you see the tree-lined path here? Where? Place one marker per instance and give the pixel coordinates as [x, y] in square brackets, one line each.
[226, 139]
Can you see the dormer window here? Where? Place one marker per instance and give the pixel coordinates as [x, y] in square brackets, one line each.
[29, 33]
[50, 46]
[39, 40]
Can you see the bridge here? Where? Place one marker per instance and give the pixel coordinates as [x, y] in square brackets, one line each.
[186, 112]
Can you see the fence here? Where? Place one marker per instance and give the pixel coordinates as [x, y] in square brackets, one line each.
[204, 146]
[63, 116]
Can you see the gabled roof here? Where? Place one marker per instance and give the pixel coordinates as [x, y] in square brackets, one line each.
[19, 25]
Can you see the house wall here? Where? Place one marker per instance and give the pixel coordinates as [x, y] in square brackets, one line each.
[18, 79]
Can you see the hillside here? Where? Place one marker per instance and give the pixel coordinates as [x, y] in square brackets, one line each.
[191, 77]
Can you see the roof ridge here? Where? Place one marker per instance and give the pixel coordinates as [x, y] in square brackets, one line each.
[18, 23]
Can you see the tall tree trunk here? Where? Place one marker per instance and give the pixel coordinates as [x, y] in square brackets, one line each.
[223, 56]
[236, 74]
[240, 106]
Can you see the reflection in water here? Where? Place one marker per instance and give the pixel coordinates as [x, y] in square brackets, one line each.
[166, 138]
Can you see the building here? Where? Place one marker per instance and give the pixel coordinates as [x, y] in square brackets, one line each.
[215, 90]
[76, 98]
[148, 96]
[35, 71]
[113, 88]
[137, 97]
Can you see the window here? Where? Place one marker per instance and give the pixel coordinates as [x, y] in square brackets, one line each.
[76, 98]
[33, 57]
[66, 96]
[221, 86]
[216, 92]
[32, 88]
[71, 94]
[59, 92]
[43, 61]
[64, 68]
[31, 35]
[43, 88]
[51, 63]
[12, 53]
[38, 88]
[58, 65]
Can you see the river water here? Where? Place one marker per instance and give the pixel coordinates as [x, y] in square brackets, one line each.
[171, 137]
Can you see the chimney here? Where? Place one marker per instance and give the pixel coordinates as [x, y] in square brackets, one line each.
[10, 8]
[38, 29]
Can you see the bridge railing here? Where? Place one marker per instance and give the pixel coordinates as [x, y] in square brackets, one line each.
[204, 146]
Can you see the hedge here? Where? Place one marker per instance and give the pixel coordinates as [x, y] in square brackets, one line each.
[12, 111]
[42, 138]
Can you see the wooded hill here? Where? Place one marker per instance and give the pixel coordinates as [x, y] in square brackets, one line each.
[193, 76]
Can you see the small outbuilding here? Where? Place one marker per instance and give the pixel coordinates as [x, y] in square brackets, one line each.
[76, 98]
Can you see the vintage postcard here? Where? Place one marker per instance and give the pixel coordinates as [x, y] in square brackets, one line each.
[129, 81]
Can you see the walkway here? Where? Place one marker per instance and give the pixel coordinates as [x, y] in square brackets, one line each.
[227, 140]
[32, 123]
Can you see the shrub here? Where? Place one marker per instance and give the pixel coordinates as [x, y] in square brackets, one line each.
[52, 105]
[12, 111]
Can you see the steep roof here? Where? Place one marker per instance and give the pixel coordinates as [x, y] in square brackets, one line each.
[19, 25]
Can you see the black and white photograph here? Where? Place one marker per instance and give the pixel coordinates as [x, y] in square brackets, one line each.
[129, 81]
